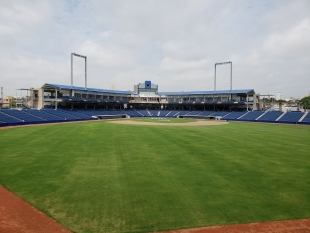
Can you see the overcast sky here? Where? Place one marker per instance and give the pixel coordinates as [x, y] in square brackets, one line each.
[173, 43]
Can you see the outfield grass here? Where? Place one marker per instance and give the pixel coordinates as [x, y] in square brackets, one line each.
[164, 120]
[102, 177]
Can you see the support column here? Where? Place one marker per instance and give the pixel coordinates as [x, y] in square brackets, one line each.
[230, 80]
[214, 81]
[55, 99]
[71, 72]
[85, 72]
[42, 97]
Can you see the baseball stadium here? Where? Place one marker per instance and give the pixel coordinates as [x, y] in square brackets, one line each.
[101, 160]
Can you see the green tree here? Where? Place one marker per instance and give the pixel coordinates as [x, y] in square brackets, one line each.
[305, 102]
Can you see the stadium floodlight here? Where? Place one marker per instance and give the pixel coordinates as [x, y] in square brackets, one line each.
[78, 55]
[223, 63]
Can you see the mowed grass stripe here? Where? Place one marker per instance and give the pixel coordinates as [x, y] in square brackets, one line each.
[101, 177]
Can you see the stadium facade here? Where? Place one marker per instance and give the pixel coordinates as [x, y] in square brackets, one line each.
[146, 95]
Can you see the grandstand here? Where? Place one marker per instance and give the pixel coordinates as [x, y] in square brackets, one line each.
[62, 103]
[291, 117]
[251, 116]
[271, 116]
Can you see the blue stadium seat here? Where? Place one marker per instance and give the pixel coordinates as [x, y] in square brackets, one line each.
[6, 118]
[193, 113]
[22, 115]
[61, 114]
[251, 116]
[163, 113]
[78, 114]
[233, 115]
[144, 113]
[291, 117]
[173, 113]
[181, 113]
[271, 116]
[306, 118]
[153, 113]
[206, 113]
[43, 115]
[219, 113]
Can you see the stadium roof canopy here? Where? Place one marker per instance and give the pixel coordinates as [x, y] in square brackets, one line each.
[67, 87]
[48, 86]
[219, 92]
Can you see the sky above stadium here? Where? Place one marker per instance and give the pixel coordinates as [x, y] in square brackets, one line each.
[173, 43]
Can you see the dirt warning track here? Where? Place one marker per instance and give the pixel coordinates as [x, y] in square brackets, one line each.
[17, 216]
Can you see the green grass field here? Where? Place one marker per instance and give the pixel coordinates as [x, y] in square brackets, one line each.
[102, 177]
[164, 120]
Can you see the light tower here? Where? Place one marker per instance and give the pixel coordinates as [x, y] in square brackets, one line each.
[223, 63]
[78, 55]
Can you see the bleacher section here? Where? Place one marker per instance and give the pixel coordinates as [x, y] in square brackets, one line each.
[193, 113]
[182, 113]
[173, 113]
[78, 114]
[154, 113]
[144, 113]
[251, 116]
[271, 116]
[61, 114]
[219, 113]
[206, 113]
[23, 116]
[306, 119]
[233, 115]
[132, 113]
[5, 118]
[31, 116]
[291, 117]
[163, 113]
[44, 115]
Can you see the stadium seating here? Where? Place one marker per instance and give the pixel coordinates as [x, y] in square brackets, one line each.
[206, 113]
[24, 116]
[14, 116]
[291, 117]
[251, 116]
[271, 116]
[306, 119]
[153, 113]
[163, 113]
[233, 115]
[173, 113]
[5, 118]
[181, 113]
[61, 114]
[78, 114]
[219, 113]
[43, 115]
[144, 113]
[193, 113]
[132, 113]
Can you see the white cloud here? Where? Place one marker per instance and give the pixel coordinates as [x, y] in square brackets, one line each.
[172, 43]
[106, 56]
[105, 34]
[172, 65]
[291, 44]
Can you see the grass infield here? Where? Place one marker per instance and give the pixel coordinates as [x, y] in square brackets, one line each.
[102, 177]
